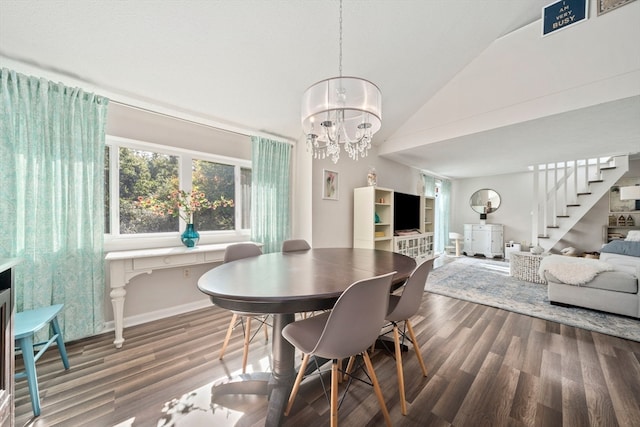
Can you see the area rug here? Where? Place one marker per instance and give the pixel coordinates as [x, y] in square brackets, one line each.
[487, 282]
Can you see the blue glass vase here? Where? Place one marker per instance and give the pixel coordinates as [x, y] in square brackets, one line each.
[190, 236]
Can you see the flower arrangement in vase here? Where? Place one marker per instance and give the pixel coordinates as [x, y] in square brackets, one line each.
[183, 204]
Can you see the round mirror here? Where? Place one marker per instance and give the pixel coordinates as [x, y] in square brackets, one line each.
[485, 201]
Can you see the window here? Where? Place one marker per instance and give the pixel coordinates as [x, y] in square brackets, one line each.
[145, 174]
[136, 170]
[217, 182]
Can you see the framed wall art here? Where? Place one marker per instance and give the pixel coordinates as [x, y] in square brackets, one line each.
[618, 205]
[329, 185]
[562, 14]
[605, 6]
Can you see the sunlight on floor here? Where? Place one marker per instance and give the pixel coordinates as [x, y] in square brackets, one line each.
[500, 268]
[197, 409]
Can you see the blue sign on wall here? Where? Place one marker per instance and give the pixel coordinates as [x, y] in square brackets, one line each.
[562, 14]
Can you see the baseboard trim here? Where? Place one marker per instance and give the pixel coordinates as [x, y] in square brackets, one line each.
[158, 314]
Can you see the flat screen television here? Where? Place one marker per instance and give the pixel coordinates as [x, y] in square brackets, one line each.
[406, 211]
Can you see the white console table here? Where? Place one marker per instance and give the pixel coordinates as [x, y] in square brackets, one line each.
[125, 265]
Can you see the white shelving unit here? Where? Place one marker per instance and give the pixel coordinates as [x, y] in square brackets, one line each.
[373, 218]
[378, 233]
[613, 232]
[429, 204]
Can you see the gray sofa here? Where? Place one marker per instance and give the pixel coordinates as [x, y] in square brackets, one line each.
[615, 291]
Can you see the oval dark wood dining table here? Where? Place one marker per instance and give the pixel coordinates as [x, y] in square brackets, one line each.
[283, 284]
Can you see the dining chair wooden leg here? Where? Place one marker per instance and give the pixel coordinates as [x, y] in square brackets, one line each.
[334, 393]
[376, 388]
[247, 339]
[400, 372]
[234, 318]
[264, 326]
[296, 384]
[347, 371]
[416, 347]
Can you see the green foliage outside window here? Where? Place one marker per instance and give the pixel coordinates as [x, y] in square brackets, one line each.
[217, 182]
[145, 173]
[150, 179]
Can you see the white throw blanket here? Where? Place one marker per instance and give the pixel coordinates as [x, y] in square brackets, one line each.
[572, 270]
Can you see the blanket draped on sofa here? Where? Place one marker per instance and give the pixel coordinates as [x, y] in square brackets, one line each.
[572, 270]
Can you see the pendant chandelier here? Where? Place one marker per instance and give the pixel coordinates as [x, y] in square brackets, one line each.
[339, 111]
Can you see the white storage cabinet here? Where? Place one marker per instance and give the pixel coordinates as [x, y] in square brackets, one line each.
[484, 239]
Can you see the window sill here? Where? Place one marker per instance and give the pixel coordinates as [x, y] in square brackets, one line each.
[135, 242]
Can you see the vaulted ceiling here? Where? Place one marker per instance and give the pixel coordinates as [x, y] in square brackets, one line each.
[245, 64]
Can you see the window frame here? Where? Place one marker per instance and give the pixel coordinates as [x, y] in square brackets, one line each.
[114, 240]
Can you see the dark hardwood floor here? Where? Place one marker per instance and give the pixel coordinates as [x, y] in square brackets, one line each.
[487, 367]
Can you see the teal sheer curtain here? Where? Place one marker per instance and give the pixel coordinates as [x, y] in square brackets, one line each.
[52, 192]
[429, 183]
[441, 190]
[270, 209]
[443, 215]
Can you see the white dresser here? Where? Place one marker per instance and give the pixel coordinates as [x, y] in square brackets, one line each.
[484, 239]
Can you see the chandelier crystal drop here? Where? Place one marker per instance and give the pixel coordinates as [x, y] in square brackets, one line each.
[339, 111]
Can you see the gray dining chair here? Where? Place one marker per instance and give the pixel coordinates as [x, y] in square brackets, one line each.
[297, 245]
[232, 253]
[347, 330]
[294, 245]
[401, 308]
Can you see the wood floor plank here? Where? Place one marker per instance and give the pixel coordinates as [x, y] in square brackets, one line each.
[533, 359]
[524, 404]
[499, 398]
[486, 367]
[574, 404]
[599, 406]
[483, 343]
[426, 400]
[472, 410]
[448, 404]
[625, 403]
[546, 416]
[550, 388]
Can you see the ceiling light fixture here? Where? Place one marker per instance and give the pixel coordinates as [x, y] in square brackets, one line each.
[341, 111]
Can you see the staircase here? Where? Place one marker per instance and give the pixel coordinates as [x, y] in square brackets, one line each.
[565, 191]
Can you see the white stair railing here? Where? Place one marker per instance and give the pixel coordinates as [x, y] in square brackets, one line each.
[561, 191]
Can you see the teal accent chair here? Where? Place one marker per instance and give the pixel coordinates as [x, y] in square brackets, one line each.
[26, 324]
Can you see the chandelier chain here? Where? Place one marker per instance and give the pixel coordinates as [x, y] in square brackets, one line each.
[340, 43]
[341, 113]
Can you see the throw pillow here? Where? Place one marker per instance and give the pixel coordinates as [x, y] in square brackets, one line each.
[633, 236]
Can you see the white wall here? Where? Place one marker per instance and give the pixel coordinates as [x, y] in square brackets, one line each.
[302, 194]
[515, 204]
[516, 207]
[133, 123]
[333, 220]
[524, 76]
